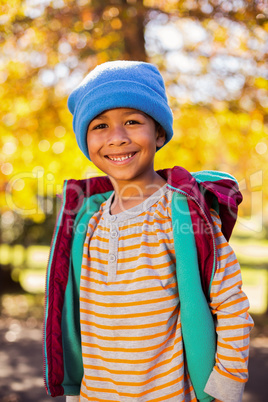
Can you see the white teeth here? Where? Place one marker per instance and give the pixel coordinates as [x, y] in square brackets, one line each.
[122, 158]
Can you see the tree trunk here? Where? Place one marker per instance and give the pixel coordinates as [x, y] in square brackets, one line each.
[133, 30]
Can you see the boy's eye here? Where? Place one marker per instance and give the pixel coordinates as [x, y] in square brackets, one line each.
[130, 122]
[100, 126]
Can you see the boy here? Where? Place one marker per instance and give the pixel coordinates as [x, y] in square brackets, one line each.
[139, 260]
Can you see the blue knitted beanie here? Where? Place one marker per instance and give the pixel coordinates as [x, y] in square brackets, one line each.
[116, 84]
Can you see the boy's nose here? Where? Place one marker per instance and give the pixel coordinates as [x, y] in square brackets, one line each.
[118, 136]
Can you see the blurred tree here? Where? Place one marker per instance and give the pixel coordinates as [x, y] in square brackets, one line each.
[211, 54]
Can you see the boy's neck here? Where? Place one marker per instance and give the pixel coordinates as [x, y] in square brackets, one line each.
[128, 194]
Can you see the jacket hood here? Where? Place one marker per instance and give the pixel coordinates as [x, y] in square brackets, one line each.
[218, 190]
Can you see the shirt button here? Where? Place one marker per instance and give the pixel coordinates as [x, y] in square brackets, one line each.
[114, 234]
[112, 258]
[113, 218]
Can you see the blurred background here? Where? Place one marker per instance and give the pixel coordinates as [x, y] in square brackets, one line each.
[213, 57]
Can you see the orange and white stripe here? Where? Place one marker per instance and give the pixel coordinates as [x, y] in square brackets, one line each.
[129, 308]
[230, 306]
[130, 323]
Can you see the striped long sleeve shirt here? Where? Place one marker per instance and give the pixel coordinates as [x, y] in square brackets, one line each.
[130, 310]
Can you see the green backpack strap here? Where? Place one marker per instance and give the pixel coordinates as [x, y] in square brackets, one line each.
[71, 338]
[198, 330]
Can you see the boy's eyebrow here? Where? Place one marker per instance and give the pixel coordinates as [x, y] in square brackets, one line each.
[134, 111]
[99, 116]
[127, 112]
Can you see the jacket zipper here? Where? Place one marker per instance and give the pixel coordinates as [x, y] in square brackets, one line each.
[57, 224]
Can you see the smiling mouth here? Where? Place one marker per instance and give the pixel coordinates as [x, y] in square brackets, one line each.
[120, 158]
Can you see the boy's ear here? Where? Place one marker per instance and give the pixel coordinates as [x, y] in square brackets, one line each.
[160, 136]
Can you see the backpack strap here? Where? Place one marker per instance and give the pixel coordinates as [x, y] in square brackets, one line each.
[71, 337]
[198, 330]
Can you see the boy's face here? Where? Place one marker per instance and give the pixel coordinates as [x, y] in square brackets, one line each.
[122, 143]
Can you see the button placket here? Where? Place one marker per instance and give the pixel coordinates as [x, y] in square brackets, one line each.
[114, 234]
[113, 249]
[112, 258]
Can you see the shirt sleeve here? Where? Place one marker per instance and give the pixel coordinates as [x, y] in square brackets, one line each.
[229, 306]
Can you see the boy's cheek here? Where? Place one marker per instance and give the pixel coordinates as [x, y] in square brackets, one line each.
[91, 146]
